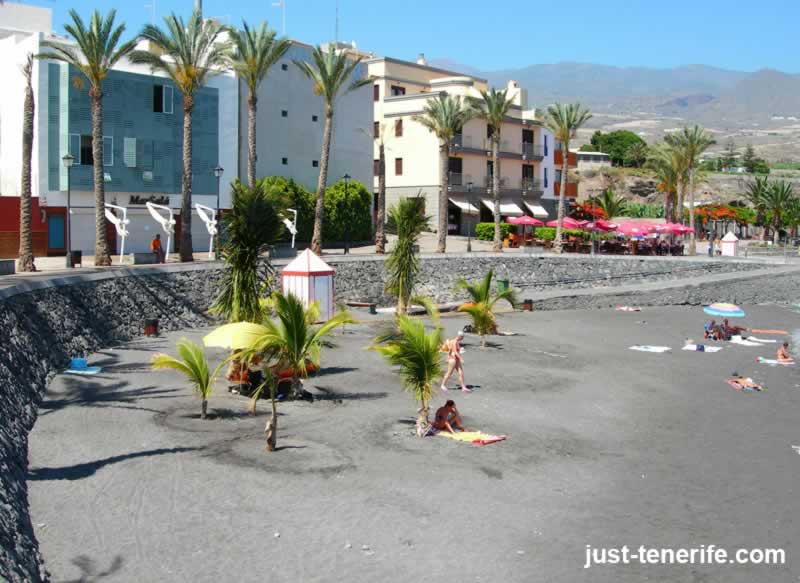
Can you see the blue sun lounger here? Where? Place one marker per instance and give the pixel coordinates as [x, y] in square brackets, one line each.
[79, 366]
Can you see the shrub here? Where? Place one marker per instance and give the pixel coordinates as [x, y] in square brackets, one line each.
[485, 231]
[639, 210]
[549, 233]
[347, 216]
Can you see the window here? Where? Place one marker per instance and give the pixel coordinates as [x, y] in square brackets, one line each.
[108, 151]
[489, 168]
[162, 99]
[129, 152]
[376, 93]
[398, 128]
[398, 166]
[558, 176]
[284, 113]
[86, 157]
[376, 129]
[284, 67]
[314, 118]
[284, 161]
[545, 175]
[315, 163]
[80, 146]
[376, 167]
[545, 150]
[397, 90]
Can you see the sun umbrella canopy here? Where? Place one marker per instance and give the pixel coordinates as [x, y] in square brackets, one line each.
[525, 220]
[635, 228]
[568, 223]
[724, 310]
[601, 225]
[235, 336]
[673, 229]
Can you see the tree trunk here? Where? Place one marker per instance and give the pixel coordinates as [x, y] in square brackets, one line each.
[498, 242]
[692, 235]
[669, 207]
[558, 245]
[297, 387]
[204, 409]
[776, 233]
[681, 196]
[101, 253]
[187, 253]
[272, 425]
[25, 261]
[316, 239]
[483, 340]
[380, 219]
[422, 419]
[444, 180]
[252, 104]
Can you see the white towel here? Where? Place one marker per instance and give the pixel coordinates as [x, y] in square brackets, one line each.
[773, 362]
[646, 348]
[754, 339]
[741, 342]
[706, 348]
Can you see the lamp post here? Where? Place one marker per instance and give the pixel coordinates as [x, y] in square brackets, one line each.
[346, 179]
[68, 161]
[469, 229]
[218, 170]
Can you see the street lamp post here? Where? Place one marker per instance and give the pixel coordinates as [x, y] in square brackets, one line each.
[68, 161]
[346, 179]
[218, 170]
[469, 226]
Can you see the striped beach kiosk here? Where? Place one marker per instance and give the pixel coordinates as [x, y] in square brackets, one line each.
[310, 279]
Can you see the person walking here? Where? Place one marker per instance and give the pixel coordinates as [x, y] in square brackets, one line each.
[455, 362]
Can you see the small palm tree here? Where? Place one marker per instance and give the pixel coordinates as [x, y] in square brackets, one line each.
[332, 75]
[670, 170]
[777, 200]
[256, 51]
[481, 308]
[251, 225]
[417, 355]
[612, 205]
[444, 116]
[637, 153]
[493, 106]
[98, 50]
[756, 193]
[564, 121]
[691, 143]
[25, 261]
[292, 340]
[188, 53]
[402, 266]
[194, 366]
[271, 429]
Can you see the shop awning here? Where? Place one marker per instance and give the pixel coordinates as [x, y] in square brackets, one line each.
[506, 208]
[465, 206]
[537, 210]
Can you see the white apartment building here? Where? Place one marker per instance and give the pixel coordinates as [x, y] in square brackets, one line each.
[527, 149]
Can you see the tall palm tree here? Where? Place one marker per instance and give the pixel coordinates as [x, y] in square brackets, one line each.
[777, 200]
[99, 49]
[417, 355]
[692, 142]
[636, 154]
[444, 116]
[292, 340]
[755, 193]
[380, 214]
[332, 75]
[256, 51]
[193, 364]
[564, 121]
[251, 224]
[493, 106]
[402, 266]
[188, 53]
[25, 260]
[481, 308]
[670, 170]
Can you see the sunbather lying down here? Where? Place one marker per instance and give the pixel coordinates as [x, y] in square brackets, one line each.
[744, 384]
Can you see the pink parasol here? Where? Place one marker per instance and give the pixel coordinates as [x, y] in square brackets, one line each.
[601, 225]
[673, 229]
[634, 228]
[568, 223]
[525, 220]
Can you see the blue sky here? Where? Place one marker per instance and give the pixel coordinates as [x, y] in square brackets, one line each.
[503, 34]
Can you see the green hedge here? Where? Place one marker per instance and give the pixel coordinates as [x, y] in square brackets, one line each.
[549, 233]
[485, 231]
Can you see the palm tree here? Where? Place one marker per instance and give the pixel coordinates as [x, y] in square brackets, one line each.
[444, 116]
[256, 51]
[188, 54]
[332, 76]
[493, 106]
[481, 308]
[380, 218]
[194, 366]
[251, 225]
[669, 168]
[612, 205]
[417, 355]
[564, 121]
[637, 153]
[755, 193]
[25, 261]
[292, 340]
[98, 50]
[692, 143]
[777, 200]
[402, 266]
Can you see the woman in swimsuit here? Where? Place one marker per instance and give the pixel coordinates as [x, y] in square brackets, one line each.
[455, 362]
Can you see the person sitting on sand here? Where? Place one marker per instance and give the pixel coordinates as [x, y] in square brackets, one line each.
[783, 353]
[709, 329]
[731, 330]
[446, 417]
[455, 362]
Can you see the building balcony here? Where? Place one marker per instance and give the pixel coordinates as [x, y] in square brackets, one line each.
[532, 151]
[470, 145]
[459, 182]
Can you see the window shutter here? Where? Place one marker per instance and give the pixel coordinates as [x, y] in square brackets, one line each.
[108, 151]
[168, 94]
[129, 152]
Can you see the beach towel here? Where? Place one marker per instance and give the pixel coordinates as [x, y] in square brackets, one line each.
[757, 331]
[79, 366]
[629, 309]
[742, 342]
[645, 348]
[473, 437]
[702, 348]
[740, 387]
[762, 340]
[772, 361]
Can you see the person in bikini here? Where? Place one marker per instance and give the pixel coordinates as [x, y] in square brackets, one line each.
[455, 362]
[446, 417]
[783, 353]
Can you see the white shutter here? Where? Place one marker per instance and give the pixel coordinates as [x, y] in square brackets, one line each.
[129, 152]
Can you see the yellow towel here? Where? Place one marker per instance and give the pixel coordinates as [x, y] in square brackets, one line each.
[476, 437]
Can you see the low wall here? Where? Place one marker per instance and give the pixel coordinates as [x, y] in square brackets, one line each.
[46, 321]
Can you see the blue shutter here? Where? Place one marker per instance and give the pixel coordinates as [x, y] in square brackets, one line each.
[108, 151]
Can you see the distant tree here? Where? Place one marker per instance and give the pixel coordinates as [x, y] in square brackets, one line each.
[749, 159]
[778, 199]
[760, 166]
[756, 195]
[615, 144]
[636, 155]
[730, 156]
[586, 148]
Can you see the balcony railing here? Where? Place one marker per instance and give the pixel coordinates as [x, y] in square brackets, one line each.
[531, 151]
[462, 142]
[459, 182]
[488, 182]
[531, 185]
